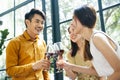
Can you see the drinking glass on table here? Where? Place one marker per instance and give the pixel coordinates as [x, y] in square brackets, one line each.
[58, 47]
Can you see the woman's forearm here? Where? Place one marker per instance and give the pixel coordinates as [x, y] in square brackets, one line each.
[83, 69]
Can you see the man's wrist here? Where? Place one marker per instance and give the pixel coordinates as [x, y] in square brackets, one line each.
[34, 67]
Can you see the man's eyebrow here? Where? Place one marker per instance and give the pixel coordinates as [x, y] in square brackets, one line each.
[37, 19]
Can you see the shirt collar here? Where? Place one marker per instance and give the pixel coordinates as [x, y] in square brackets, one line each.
[26, 35]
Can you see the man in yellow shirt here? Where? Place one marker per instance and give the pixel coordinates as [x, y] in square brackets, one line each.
[25, 54]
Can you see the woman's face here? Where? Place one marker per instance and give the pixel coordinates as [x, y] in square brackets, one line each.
[77, 27]
[74, 37]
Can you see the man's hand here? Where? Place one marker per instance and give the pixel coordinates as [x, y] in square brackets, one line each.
[41, 64]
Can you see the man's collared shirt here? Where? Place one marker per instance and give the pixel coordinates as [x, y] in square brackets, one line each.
[21, 53]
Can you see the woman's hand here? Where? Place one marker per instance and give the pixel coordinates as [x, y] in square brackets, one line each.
[67, 67]
[69, 73]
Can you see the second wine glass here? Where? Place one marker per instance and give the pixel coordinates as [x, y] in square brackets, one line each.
[58, 47]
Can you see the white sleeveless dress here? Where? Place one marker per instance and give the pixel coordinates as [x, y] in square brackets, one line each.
[101, 65]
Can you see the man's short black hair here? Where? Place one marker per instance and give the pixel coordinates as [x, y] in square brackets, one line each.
[34, 11]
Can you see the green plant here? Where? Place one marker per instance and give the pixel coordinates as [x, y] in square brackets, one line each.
[3, 36]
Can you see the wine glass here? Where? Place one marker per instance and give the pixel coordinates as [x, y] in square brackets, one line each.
[49, 52]
[58, 46]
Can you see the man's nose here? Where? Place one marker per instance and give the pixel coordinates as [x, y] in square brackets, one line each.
[40, 25]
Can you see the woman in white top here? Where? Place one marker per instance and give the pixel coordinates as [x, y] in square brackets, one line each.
[105, 52]
[79, 55]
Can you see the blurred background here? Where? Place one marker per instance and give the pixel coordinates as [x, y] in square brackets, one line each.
[59, 14]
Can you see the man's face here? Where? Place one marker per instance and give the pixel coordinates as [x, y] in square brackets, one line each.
[36, 25]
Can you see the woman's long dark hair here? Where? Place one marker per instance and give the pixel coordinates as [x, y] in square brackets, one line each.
[87, 53]
[75, 48]
[87, 17]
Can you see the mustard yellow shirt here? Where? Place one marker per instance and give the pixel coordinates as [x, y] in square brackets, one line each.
[79, 60]
[21, 53]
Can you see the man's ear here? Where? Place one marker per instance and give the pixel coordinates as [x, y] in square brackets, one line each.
[27, 22]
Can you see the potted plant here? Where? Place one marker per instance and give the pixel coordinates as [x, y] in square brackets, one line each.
[3, 36]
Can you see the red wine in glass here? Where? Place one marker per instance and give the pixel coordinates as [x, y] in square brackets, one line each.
[49, 55]
[58, 46]
[49, 52]
[60, 53]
